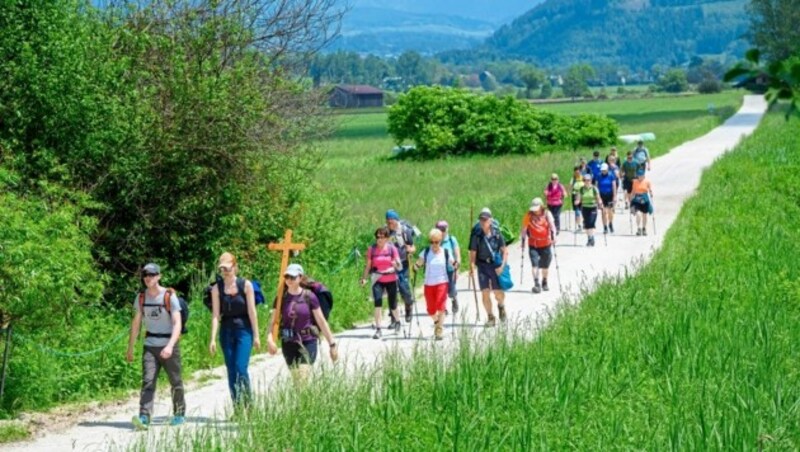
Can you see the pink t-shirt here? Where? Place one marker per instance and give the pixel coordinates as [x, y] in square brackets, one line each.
[383, 260]
[555, 194]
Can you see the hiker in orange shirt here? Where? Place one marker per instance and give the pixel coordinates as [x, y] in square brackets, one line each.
[539, 228]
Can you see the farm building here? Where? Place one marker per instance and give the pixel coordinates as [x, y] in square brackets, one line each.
[356, 96]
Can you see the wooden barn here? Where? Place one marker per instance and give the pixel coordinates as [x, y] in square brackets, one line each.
[356, 96]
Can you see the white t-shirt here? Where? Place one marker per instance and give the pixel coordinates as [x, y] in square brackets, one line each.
[156, 319]
[436, 268]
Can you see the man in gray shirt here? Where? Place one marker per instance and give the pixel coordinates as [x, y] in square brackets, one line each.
[161, 311]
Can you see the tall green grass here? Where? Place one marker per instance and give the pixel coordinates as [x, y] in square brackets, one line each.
[697, 352]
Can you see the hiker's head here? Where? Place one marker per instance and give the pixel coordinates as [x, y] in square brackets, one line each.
[640, 174]
[435, 238]
[613, 150]
[612, 159]
[293, 275]
[537, 207]
[587, 178]
[442, 226]
[151, 275]
[630, 155]
[485, 218]
[577, 170]
[382, 234]
[604, 168]
[227, 265]
[596, 154]
[554, 178]
[392, 218]
[640, 143]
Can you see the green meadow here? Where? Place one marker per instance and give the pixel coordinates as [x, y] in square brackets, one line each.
[697, 352]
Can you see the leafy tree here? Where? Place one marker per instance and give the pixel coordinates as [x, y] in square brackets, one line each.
[774, 28]
[576, 80]
[488, 81]
[532, 78]
[674, 81]
[783, 78]
[547, 91]
[414, 69]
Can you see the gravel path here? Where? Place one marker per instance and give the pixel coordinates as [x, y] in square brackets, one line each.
[675, 177]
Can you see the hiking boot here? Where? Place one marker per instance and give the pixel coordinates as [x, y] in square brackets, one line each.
[177, 420]
[502, 311]
[141, 422]
[611, 227]
[605, 229]
[438, 332]
[639, 231]
[455, 306]
[545, 287]
[644, 231]
[589, 241]
[536, 287]
[394, 325]
[377, 334]
[491, 322]
[409, 309]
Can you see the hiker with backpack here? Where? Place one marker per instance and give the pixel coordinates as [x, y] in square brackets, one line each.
[629, 169]
[641, 155]
[575, 184]
[233, 315]
[381, 269]
[450, 243]
[160, 309]
[589, 200]
[402, 235]
[607, 186]
[593, 167]
[538, 227]
[439, 266]
[612, 154]
[641, 203]
[488, 255]
[302, 322]
[554, 193]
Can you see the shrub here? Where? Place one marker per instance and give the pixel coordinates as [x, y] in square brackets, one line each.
[709, 86]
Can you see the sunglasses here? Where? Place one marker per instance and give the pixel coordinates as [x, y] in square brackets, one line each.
[224, 269]
[435, 242]
[554, 178]
[380, 237]
[290, 277]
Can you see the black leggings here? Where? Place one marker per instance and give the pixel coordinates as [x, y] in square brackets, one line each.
[556, 211]
[391, 291]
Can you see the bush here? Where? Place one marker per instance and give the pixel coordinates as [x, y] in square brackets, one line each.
[709, 86]
[443, 121]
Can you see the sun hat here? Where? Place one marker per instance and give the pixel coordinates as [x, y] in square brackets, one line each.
[293, 270]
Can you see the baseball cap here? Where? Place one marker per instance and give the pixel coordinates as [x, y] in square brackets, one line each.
[536, 204]
[442, 225]
[392, 215]
[485, 213]
[604, 167]
[640, 172]
[151, 269]
[293, 270]
[587, 176]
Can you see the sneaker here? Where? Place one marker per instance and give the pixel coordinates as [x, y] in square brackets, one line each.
[455, 306]
[502, 311]
[605, 229]
[177, 420]
[438, 332]
[644, 231]
[544, 285]
[536, 288]
[589, 241]
[141, 422]
[377, 334]
[409, 308]
[611, 227]
[639, 231]
[491, 322]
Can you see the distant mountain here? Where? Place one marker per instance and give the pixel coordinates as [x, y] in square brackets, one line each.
[635, 33]
[384, 27]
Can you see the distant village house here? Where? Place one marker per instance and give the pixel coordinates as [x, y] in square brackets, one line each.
[355, 96]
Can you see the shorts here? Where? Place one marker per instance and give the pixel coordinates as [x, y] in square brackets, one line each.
[627, 185]
[487, 276]
[540, 257]
[589, 217]
[436, 298]
[296, 353]
[643, 207]
[608, 199]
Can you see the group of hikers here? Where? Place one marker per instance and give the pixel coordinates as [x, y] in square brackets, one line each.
[304, 308]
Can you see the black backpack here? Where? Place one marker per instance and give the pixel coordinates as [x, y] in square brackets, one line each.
[324, 296]
[168, 304]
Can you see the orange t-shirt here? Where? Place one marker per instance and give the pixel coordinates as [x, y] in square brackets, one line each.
[641, 186]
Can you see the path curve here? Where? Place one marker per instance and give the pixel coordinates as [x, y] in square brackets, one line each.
[675, 177]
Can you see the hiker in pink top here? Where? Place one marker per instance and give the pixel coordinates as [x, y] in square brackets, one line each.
[554, 193]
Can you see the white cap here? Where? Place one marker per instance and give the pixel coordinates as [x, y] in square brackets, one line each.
[604, 167]
[294, 270]
[536, 204]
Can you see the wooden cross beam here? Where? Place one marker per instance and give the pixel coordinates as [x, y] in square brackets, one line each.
[286, 247]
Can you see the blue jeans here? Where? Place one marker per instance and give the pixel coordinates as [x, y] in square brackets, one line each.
[236, 344]
[402, 284]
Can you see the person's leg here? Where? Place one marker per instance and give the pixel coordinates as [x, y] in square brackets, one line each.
[150, 369]
[500, 296]
[244, 345]
[545, 257]
[556, 211]
[534, 257]
[451, 290]
[228, 346]
[405, 290]
[430, 294]
[644, 223]
[391, 293]
[377, 297]
[174, 368]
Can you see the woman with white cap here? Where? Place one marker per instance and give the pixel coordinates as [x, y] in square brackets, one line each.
[554, 194]
[589, 200]
[233, 304]
[538, 227]
[301, 323]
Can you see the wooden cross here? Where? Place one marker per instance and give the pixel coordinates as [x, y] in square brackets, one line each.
[285, 247]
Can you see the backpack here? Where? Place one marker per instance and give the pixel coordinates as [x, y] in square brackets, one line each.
[240, 288]
[508, 236]
[640, 156]
[324, 296]
[449, 266]
[167, 303]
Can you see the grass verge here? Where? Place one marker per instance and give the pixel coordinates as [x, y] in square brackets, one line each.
[697, 352]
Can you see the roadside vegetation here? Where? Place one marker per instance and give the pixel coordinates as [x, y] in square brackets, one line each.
[698, 351]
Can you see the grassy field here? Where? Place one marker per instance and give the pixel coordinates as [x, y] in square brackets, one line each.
[698, 352]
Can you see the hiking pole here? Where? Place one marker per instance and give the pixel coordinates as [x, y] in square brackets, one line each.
[475, 293]
[558, 270]
[414, 300]
[522, 261]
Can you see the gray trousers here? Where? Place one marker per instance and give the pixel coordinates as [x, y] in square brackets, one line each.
[151, 366]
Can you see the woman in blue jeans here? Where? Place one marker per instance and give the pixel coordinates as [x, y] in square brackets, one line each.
[233, 305]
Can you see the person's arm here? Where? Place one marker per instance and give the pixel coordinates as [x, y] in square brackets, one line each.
[551, 221]
[250, 297]
[457, 255]
[410, 248]
[272, 348]
[175, 316]
[325, 329]
[471, 262]
[212, 346]
[420, 261]
[597, 197]
[367, 267]
[136, 324]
